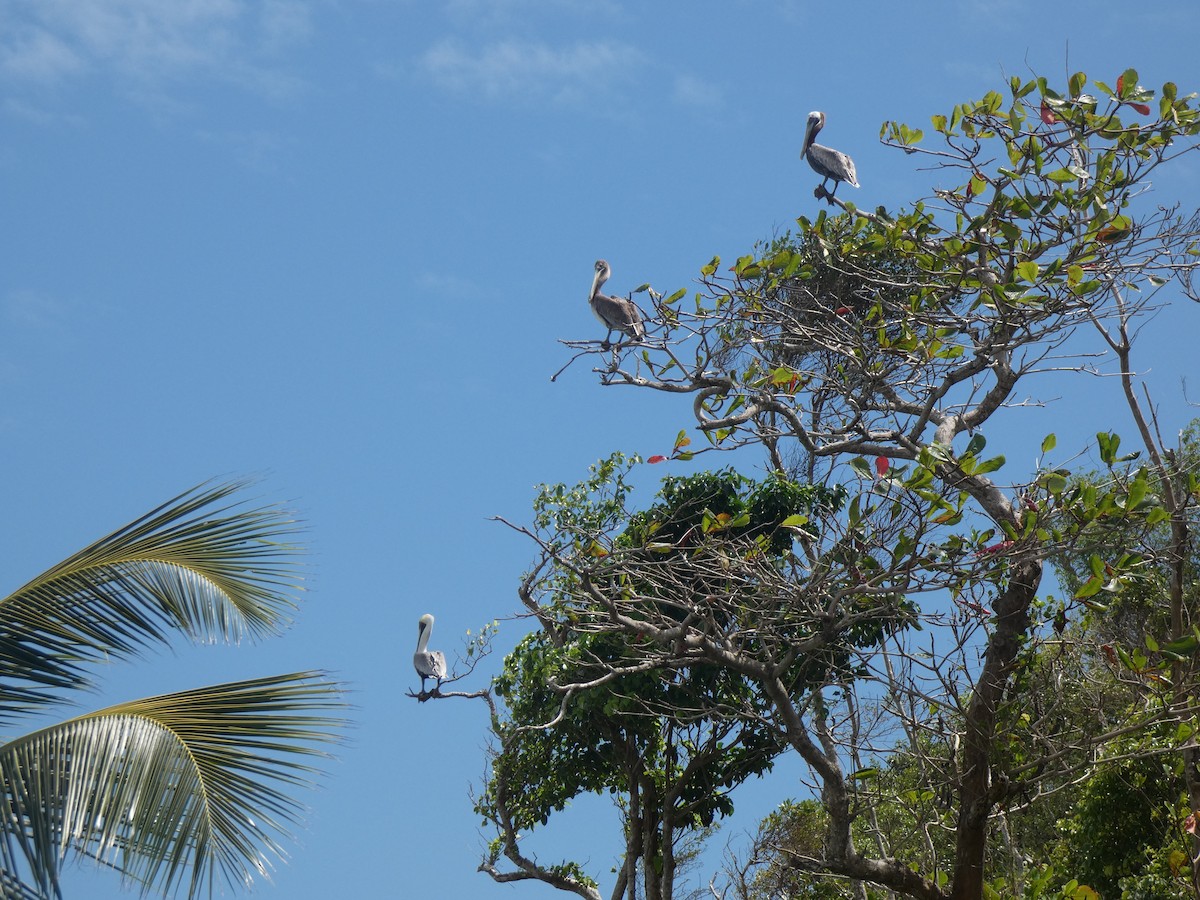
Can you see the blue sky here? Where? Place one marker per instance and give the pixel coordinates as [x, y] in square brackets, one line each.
[334, 243]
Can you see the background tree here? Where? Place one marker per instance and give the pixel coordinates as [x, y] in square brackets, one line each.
[670, 740]
[188, 791]
[868, 355]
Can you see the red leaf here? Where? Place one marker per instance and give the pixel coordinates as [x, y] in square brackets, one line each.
[881, 465]
[657, 459]
[1048, 115]
[841, 310]
[1120, 84]
[995, 548]
[1142, 108]
[977, 608]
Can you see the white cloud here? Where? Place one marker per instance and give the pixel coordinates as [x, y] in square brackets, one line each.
[36, 54]
[527, 70]
[151, 41]
[31, 309]
[285, 23]
[693, 91]
[489, 13]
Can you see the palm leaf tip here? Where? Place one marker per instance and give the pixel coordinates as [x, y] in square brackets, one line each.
[192, 788]
[213, 568]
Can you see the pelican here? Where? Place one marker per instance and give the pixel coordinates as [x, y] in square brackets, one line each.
[826, 162]
[428, 663]
[617, 313]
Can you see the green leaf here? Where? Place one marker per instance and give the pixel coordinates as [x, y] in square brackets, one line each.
[989, 465]
[1156, 515]
[1061, 177]
[1108, 442]
[199, 564]
[182, 791]
[1027, 271]
[1054, 482]
[1127, 84]
[1048, 443]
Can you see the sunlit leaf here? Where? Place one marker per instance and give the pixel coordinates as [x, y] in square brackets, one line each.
[181, 791]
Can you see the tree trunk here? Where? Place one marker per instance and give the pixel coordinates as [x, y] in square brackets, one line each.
[977, 794]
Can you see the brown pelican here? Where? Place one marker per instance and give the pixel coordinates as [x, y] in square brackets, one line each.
[826, 162]
[617, 313]
[428, 663]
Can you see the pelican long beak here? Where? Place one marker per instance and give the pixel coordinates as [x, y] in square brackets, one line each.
[599, 279]
[810, 132]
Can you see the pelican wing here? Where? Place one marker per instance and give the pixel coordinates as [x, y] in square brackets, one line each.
[619, 314]
[830, 163]
[430, 663]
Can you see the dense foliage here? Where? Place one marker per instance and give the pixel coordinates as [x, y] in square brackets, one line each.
[876, 605]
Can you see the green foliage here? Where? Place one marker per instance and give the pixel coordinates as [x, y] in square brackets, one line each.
[1125, 823]
[736, 508]
[614, 737]
[868, 350]
[185, 792]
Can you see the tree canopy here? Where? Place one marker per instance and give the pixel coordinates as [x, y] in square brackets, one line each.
[875, 604]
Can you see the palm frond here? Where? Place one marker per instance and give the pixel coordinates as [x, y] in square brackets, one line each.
[189, 790]
[216, 571]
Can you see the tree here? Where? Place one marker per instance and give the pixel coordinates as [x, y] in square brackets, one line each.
[671, 742]
[183, 791]
[868, 354]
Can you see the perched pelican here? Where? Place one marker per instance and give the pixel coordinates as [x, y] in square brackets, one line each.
[617, 313]
[826, 162]
[428, 663]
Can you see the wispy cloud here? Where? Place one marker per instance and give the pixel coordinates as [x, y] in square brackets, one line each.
[30, 309]
[493, 12]
[33, 53]
[693, 91]
[151, 41]
[447, 285]
[532, 71]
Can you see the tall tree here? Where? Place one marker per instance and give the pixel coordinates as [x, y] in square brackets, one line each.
[669, 741]
[869, 354]
[188, 791]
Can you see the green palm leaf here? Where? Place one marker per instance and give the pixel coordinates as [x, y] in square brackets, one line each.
[215, 570]
[183, 790]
